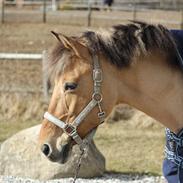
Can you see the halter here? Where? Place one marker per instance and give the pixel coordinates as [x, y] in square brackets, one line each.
[96, 101]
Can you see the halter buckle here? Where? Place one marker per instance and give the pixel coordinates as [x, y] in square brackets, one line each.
[70, 130]
[97, 75]
[101, 114]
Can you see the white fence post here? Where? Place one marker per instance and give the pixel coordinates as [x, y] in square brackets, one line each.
[19, 3]
[134, 10]
[45, 75]
[44, 11]
[2, 10]
[89, 13]
[54, 5]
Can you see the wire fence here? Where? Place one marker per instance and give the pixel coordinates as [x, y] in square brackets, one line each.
[55, 11]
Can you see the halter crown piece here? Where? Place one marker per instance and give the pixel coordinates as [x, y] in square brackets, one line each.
[96, 101]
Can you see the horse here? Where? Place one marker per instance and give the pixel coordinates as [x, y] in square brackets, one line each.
[137, 64]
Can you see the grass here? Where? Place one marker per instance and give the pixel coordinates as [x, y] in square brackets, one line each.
[131, 150]
[127, 149]
[7, 129]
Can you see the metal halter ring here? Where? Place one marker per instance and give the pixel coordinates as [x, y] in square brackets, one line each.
[97, 97]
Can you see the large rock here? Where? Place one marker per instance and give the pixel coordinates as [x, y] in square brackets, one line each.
[20, 156]
[121, 112]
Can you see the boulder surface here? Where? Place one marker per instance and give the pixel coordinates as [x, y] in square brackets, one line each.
[21, 156]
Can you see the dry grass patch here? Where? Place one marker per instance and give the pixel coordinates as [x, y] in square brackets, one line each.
[127, 149]
[21, 107]
[10, 128]
[131, 150]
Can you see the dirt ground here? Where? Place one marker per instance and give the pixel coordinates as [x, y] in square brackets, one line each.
[34, 36]
[171, 19]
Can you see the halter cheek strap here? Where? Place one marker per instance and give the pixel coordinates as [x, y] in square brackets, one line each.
[96, 100]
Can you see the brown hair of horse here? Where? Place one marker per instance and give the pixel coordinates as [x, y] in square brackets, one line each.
[135, 60]
[126, 41]
[120, 45]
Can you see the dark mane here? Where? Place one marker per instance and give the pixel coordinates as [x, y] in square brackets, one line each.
[120, 45]
[123, 42]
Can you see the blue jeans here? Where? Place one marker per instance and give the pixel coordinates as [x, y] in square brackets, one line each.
[171, 172]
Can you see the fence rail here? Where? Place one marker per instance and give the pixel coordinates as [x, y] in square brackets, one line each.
[24, 56]
[27, 3]
[118, 4]
[130, 5]
[122, 4]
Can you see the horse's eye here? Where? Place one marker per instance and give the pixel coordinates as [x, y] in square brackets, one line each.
[70, 86]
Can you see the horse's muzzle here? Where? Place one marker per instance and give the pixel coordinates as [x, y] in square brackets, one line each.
[60, 155]
[65, 152]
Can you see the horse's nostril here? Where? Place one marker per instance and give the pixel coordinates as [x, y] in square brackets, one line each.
[46, 149]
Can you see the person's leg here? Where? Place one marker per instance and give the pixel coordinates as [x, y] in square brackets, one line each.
[181, 175]
[110, 3]
[170, 171]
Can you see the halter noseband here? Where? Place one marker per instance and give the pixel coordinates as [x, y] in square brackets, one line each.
[96, 99]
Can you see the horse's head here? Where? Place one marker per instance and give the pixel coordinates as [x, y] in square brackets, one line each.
[71, 64]
[133, 72]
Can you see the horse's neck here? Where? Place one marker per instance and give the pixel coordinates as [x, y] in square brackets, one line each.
[152, 86]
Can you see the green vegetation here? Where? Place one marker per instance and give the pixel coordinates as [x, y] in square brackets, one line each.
[126, 149]
[131, 150]
[7, 129]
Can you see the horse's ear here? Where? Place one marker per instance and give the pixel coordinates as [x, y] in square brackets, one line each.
[68, 43]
